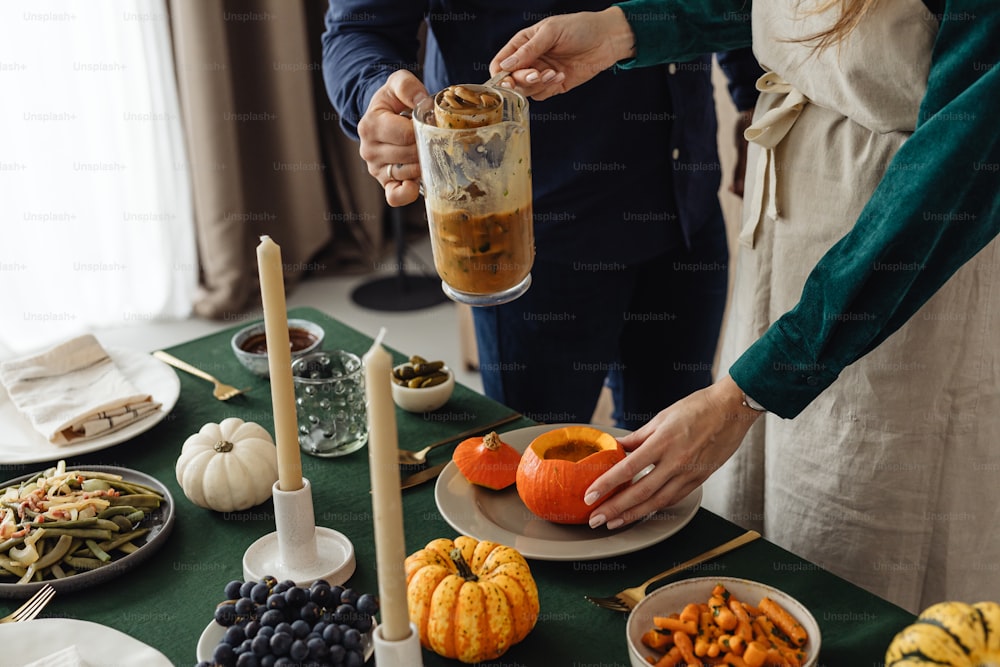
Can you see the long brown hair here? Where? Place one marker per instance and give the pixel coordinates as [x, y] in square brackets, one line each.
[850, 14]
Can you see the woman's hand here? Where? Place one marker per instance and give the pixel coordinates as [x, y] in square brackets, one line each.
[388, 142]
[685, 443]
[561, 52]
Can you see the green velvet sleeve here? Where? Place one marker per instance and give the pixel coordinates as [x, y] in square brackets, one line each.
[668, 30]
[937, 205]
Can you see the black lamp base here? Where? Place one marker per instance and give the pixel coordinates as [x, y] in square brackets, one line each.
[399, 293]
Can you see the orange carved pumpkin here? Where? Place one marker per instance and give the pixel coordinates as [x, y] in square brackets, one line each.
[487, 461]
[559, 465]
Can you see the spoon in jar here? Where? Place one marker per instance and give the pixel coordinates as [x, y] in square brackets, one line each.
[497, 78]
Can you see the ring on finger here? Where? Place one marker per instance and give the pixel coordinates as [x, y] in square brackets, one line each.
[388, 172]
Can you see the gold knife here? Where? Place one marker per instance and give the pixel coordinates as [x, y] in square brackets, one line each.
[422, 476]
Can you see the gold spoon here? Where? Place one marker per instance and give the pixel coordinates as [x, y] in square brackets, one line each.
[497, 78]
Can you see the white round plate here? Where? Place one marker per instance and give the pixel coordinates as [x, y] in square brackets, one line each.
[673, 597]
[96, 644]
[500, 516]
[21, 443]
[213, 634]
[160, 522]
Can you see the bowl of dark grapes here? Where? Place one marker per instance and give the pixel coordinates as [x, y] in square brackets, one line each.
[270, 622]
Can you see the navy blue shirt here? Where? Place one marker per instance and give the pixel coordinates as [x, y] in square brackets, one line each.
[623, 167]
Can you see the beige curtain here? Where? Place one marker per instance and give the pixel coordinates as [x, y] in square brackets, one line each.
[266, 155]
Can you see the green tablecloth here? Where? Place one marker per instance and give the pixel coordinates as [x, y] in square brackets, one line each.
[169, 600]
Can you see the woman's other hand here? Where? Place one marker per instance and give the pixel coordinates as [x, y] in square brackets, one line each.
[685, 444]
[560, 52]
[388, 142]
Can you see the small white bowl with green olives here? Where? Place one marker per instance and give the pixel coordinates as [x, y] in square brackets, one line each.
[422, 386]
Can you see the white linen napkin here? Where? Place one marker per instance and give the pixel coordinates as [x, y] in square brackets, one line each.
[74, 392]
[67, 657]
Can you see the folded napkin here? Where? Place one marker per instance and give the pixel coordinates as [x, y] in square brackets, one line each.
[73, 392]
[67, 657]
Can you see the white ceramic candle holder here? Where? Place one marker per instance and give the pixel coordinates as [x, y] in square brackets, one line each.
[403, 653]
[299, 550]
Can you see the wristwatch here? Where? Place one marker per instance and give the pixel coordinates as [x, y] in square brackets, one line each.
[752, 404]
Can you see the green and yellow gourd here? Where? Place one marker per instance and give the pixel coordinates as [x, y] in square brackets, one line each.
[949, 633]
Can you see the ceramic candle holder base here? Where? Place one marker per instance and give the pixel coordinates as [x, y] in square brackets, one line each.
[405, 652]
[299, 550]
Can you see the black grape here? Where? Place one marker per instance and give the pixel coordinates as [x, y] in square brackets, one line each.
[271, 623]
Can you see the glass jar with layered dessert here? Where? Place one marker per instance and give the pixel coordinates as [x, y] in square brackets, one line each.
[475, 160]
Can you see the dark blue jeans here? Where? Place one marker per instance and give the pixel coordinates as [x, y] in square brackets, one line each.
[649, 330]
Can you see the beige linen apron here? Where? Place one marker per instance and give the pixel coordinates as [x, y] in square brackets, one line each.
[891, 478]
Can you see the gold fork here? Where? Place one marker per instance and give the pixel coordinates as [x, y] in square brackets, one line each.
[32, 607]
[627, 599]
[409, 457]
[222, 391]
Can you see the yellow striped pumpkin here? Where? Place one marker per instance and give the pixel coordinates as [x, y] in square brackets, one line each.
[949, 633]
[470, 600]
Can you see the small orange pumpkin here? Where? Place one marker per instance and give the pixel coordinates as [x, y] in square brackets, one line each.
[487, 461]
[557, 468]
[470, 600]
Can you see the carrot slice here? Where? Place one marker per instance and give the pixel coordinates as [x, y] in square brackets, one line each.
[671, 658]
[785, 621]
[658, 641]
[674, 624]
[755, 654]
[683, 642]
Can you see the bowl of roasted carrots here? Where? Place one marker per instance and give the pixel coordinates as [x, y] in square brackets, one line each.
[721, 621]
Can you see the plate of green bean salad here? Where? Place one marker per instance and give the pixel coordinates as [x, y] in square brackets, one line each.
[76, 527]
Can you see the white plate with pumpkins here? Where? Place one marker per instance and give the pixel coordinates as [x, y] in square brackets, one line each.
[503, 515]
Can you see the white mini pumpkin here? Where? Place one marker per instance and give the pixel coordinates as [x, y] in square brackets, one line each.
[229, 466]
